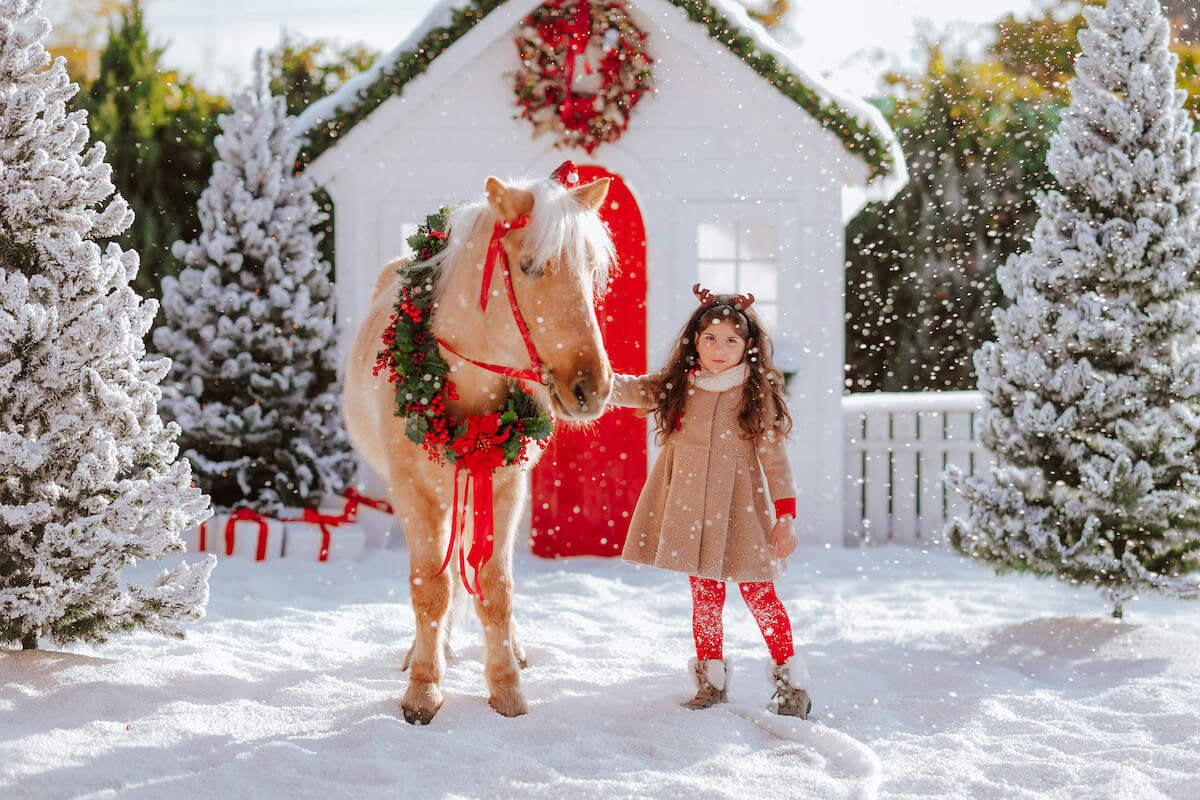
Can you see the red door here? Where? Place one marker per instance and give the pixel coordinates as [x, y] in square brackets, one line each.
[588, 481]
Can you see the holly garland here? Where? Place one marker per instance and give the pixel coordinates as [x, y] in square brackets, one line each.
[419, 375]
[855, 134]
[594, 43]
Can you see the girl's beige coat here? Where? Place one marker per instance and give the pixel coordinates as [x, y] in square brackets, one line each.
[704, 509]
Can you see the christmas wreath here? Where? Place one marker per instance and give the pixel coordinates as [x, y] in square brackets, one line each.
[418, 372]
[583, 68]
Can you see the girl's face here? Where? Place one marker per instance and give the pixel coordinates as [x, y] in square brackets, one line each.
[720, 346]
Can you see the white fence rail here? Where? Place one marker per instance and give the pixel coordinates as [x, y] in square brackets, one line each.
[897, 450]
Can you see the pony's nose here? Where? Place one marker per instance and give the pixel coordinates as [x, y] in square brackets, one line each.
[586, 394]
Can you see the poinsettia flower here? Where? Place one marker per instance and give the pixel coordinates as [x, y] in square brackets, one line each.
[482, 444]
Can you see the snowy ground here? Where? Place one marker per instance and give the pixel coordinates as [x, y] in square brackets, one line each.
[931, 678]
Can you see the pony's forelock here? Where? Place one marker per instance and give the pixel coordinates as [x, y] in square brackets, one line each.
[557, 226]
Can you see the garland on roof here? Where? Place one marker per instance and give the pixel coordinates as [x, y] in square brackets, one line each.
[855, 135]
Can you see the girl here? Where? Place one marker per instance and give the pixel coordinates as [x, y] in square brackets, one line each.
[719, 409]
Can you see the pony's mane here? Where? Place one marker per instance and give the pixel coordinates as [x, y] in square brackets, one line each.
[558, 225]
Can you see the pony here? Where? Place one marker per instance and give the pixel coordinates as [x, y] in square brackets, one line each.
[559, 251]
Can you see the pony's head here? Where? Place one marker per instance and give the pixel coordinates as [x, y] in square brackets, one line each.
[559, 262]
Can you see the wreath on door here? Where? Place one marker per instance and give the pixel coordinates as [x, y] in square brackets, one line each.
[584, 66]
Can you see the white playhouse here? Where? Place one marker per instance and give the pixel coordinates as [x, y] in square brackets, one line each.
[732, 167]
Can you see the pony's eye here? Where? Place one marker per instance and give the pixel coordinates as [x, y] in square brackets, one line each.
[527, 267]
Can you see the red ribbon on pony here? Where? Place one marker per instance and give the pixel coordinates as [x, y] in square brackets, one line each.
[479, 450]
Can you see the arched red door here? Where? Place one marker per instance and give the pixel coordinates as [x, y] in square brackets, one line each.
[588, 481]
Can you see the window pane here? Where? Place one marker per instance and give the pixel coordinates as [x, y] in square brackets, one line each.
[715, 240]
[718, 276]
[757, 242]
[407, 229]
[760, 278]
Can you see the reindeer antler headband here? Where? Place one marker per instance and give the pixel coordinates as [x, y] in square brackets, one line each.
[740, 302]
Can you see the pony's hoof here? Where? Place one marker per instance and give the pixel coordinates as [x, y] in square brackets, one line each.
[421, 702]
[509, 704]
[418, 717]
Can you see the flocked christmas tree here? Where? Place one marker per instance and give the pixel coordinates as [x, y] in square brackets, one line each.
[249, 325]
[90, 481]
[1092, 387]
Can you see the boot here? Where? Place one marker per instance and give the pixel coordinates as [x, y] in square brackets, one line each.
[710, 677]
[790, 698]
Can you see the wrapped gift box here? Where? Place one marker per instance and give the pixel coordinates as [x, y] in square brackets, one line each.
[323, 534]
[240, 533]
[372, 514]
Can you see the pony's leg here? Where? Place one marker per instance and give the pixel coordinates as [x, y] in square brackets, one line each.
[427, 537]
[495, 608]
[447, 629]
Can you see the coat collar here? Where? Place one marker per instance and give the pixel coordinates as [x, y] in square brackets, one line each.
[720, 381]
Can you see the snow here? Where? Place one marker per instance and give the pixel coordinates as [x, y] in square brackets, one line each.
[931, 678]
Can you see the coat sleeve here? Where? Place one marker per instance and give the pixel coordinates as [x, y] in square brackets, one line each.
[772, 454]
[634, 391]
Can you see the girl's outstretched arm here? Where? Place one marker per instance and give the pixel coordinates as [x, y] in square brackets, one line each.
[634, 391]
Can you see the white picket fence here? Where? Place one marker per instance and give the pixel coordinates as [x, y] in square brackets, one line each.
[897, 449]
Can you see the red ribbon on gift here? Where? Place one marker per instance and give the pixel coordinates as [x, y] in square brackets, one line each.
[354, 499]
[313, 516]
[242, 515]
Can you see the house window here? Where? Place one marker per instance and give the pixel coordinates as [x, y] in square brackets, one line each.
[407, 229]
[735, 258]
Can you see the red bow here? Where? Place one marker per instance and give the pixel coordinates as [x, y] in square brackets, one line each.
[260, 552]
[354, 499]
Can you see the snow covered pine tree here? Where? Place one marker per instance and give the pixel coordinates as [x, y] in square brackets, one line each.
[1092, 387]
[249, 325]
[89, 476]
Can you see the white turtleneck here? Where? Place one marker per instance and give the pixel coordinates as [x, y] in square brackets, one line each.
[720, 381]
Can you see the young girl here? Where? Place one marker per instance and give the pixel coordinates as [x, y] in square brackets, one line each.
[719, 409]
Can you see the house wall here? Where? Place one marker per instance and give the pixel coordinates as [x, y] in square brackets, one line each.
[715, 143]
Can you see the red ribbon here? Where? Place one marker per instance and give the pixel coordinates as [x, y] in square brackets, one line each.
[349, 515]
[495, 252]
[482, 528]
[354, 499]
[240, 515]
[480, 463]
[578, 35]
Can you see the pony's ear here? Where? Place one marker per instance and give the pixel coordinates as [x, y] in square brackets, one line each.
[591, 195]
[507, 201]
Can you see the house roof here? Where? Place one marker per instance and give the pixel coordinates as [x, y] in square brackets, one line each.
[858, 125]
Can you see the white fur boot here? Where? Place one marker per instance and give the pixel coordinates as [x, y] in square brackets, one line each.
[712, 683]
[790, 680]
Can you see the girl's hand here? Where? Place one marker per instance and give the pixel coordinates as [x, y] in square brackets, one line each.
[783, 537]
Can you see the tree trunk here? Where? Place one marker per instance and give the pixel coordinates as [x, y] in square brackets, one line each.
[29, 641]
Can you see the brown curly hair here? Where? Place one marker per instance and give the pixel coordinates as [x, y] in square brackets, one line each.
[763, 379]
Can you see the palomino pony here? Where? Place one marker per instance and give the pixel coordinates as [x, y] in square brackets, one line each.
[559, 251]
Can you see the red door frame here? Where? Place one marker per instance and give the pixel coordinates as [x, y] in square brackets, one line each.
[588, 481]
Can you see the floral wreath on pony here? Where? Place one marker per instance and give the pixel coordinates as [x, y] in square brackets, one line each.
[418, 372]
[597, 38]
